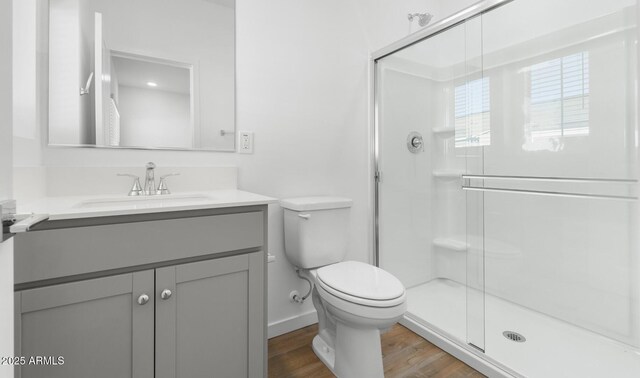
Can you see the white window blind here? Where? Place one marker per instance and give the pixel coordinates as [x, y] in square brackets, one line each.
[559, 102]
[472, 113]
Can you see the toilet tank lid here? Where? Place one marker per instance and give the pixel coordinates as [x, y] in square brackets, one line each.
[315, 203]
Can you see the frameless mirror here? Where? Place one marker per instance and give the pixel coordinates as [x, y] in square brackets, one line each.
[142, 74]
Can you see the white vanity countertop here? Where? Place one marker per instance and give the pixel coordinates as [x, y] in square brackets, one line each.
[77, 207]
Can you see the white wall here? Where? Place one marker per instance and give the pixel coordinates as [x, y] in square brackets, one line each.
[151, 117]
[385, 21]
[302, 88]
[71, 39]
[406, 230]
[24, 66]
[31, 98]
[64, 102]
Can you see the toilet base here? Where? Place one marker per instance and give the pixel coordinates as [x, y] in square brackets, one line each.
[325, 353]
[358, 352]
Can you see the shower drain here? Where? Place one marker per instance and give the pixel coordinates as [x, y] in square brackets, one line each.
[514, 336]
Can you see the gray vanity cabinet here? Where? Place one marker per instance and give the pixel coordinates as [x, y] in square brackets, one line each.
[185, 300]
[96, 325]
[207, 318]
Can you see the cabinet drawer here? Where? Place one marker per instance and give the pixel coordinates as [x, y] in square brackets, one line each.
[49, 254]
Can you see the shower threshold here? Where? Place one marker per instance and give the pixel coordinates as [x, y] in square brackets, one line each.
[553, 348]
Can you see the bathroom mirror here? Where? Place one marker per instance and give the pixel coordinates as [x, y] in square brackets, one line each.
[142, 74]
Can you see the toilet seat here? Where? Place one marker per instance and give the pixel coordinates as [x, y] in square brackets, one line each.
[361, 284]
[369, 315]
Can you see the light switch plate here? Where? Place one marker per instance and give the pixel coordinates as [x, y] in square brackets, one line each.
[245, 142]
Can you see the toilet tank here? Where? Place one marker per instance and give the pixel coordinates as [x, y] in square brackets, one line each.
[316, 230]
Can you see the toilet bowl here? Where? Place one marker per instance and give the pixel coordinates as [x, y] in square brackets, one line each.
[358, 301]
[354, 300]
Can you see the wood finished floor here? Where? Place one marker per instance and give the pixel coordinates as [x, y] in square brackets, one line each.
[405, 354]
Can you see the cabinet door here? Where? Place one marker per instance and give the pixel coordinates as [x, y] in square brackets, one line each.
[97, 326]
[212, 325]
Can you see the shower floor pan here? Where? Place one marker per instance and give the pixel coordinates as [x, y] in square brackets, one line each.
[552, 348]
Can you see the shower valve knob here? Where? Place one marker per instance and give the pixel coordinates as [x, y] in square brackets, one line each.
[415, 143]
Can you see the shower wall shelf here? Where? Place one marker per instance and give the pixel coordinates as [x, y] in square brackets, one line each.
[451, 244]
[448, 173]
[444, 131]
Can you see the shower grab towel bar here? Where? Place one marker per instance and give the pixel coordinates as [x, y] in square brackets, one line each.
[543, 178]
[549, 193]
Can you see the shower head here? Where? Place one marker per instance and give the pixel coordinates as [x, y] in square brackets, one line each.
[423, 18]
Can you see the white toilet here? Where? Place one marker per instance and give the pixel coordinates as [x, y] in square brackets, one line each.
[354, 300]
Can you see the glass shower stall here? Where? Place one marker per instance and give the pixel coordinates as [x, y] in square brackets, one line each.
[506, 148]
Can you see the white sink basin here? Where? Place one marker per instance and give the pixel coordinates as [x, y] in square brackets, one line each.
[144, 201]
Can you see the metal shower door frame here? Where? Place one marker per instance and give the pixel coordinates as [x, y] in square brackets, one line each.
[417, 37]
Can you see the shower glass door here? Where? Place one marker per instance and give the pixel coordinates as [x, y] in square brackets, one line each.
[429, 133]
[507, 200]
[560, 188]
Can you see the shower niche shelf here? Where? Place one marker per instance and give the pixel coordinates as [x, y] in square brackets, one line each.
[451, 244]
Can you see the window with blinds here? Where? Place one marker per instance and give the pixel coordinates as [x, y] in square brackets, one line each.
[472, 113]
[559, 102]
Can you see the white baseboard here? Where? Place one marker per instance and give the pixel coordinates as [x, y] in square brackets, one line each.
[291, 324]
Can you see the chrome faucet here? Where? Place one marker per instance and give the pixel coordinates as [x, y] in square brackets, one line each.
[149, 183]
[149, 180]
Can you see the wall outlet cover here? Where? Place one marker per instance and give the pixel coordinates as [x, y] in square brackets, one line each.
[245, 142]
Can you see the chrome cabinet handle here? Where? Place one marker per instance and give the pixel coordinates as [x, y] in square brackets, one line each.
[304, 216]
[143, 299]
[166, 294]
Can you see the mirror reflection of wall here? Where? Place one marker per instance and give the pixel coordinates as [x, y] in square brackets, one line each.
[149, 103]
[134, 74]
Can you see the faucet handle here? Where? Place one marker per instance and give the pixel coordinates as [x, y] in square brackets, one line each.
[162, 186]
[136, 189]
